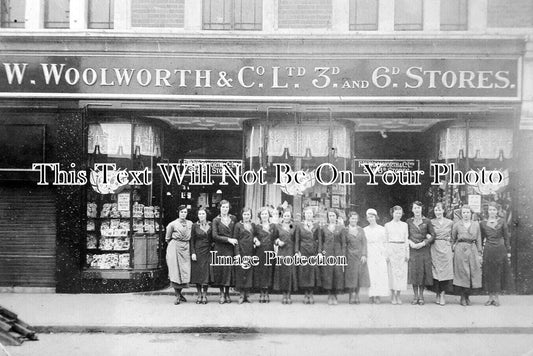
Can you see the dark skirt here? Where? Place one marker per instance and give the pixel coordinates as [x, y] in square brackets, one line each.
[284, 278]
[308, 277]
[496, 271]
[442, 286]
[243, 277]
[223, 276]
[200, 267]
[356, 273]
[262, 274]
[420, 272]
[332, 278]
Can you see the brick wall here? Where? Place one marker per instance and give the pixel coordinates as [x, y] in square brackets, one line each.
[157, 13]
[510, 13]
[304, 14]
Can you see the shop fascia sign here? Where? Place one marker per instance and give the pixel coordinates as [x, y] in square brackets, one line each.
[247, 79]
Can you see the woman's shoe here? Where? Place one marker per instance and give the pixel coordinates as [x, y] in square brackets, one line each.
[489, 302]
[177, 301]
[227, 299]
[222, 299]
[414, 301]
[182, 298]
[467, 300]
[335, 302]
[204, 299]
[311, 300]
[371, 300]
[463, 301]
[284, 300]
[267, 298]
[377, 300]
[241, 300]
[289, 301]
[198, 299]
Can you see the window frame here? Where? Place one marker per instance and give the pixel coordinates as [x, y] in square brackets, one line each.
[403, 26]
[5, 14]
[111, 17]
[231, 24]
[458, 26]
[46, 22]
[353, 25]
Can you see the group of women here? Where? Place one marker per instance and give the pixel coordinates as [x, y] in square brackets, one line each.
[384, 259]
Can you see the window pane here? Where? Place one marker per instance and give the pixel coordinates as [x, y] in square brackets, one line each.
[364, 15]
[101, 13]
[56, 14]
[13, 13]
[453, 15]
[408, 15]
[217, 14]
[248, 14]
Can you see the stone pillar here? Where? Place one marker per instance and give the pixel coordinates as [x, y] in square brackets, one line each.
[71, 211]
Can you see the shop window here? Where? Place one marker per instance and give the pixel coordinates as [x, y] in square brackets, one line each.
[57, 14]
[12, 13]
[232, 14]
[304, 145]
[124, 226]
[408, 15]
[100, 14]
[453, 15]
[364, 15]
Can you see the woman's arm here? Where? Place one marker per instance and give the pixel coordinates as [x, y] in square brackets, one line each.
[506, 236]
[216, 236]
[170, 230]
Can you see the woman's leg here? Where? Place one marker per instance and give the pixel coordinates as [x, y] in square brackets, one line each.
[421, 294]
[204, 293]
[199, 295]
[222, 299]
[415, 297]
[177, 292]
[226, 294]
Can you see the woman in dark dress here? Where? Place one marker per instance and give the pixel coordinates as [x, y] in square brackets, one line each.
[467, 249]
[421, 236]
[200, 255]
[496, 271]
[307, 245]
[332, 243]
[244, 234]
[356, 273]
[264, 242]
[284, 274]
[223, 226]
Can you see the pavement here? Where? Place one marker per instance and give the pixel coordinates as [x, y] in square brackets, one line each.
[155, 312]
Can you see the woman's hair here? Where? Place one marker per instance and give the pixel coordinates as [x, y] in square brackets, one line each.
[310, 208]
[353, 213]
[222, 202]
[494, 205]
[182, 207]
[440, 205]
[466, 206]
[245, 209]
[202, 209]
[264, 208]
[395, 208]
[332, 211]
[417, 202]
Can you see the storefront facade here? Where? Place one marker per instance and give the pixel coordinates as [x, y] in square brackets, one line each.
[137, 101]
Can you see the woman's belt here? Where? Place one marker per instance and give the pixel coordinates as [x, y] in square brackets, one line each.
[396, 242]
[467, 241]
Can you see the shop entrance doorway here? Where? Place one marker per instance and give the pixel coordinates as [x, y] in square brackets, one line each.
[394, 151]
